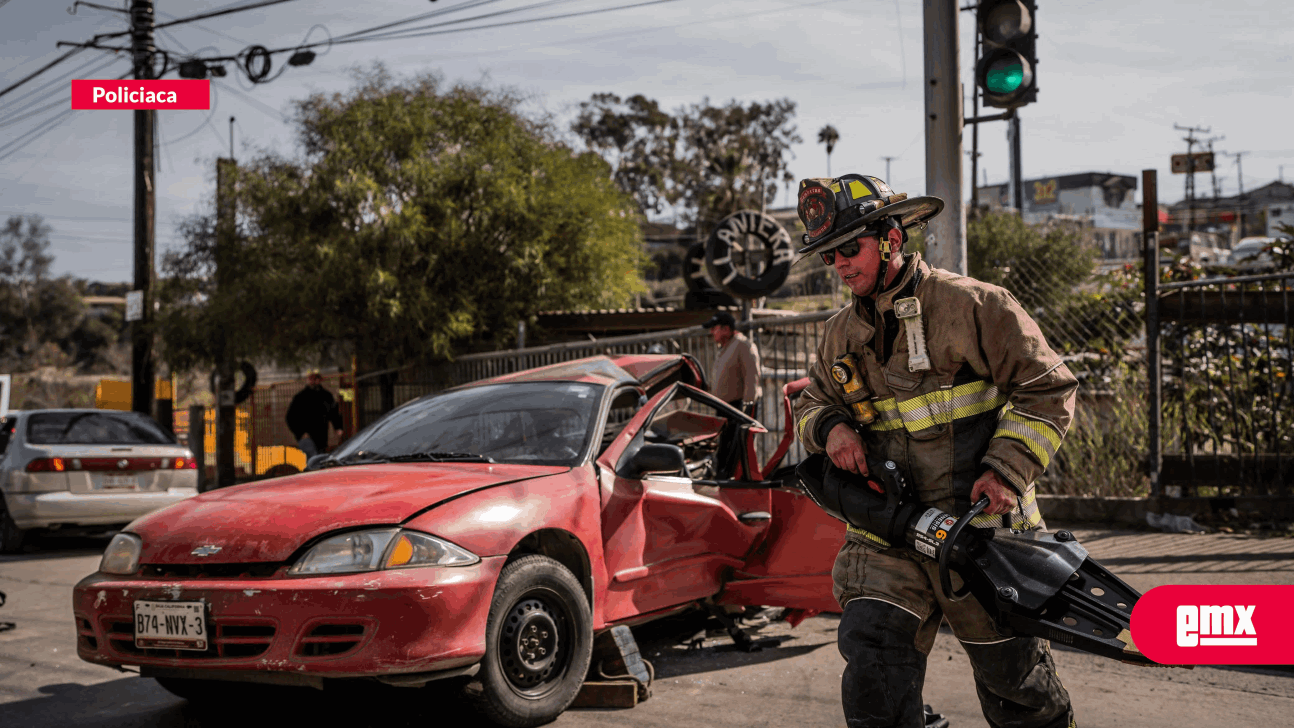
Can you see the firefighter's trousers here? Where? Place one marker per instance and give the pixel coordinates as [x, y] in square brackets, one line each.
[892, 609]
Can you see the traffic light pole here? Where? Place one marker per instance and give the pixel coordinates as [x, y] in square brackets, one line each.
[1017, 181]
[141, 338]
[946, 235]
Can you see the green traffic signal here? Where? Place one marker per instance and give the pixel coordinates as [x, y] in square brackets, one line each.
[1004, 75]
[1008, 60]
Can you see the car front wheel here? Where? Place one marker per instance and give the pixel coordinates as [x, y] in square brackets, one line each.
[539, 640]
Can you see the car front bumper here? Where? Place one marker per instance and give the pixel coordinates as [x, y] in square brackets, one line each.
[346, 625]
[42, 510]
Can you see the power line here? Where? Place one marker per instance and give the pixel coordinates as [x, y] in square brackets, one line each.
[48, 84]
[637, 31]
[534, 6]
[526, 21]
[43, 69]
[260, 106]
[16, 145]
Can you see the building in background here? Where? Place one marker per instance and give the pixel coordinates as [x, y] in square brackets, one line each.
[1099, 205]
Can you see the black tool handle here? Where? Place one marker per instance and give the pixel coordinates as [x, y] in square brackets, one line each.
[945, 554]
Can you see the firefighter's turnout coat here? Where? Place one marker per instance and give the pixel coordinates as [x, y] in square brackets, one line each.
[994, 394]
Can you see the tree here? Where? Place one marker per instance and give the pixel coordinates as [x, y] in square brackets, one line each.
[415, 219]
[829, 136]
[707, 161]
[42, 319]
[1042, 270]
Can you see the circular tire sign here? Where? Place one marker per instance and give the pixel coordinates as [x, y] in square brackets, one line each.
[748, 254]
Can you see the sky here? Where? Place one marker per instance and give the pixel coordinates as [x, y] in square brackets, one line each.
[1114, 78]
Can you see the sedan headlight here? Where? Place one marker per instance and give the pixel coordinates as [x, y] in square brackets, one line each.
[122, 555]
[385, 548]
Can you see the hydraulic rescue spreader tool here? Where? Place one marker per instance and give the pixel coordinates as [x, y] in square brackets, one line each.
[1034, 583]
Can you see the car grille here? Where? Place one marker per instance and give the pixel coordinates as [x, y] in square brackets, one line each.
[332, 639]
[233, 639]
[212, 571]
[85, 634]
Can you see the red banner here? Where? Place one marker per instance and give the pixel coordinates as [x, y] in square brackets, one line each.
[116, 95]
[1216, 625]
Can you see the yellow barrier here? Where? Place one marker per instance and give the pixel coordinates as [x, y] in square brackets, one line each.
[266, 457]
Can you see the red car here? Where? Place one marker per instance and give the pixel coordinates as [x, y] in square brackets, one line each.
[487, 530]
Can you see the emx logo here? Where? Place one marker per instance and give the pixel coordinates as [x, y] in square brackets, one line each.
[1215, 625]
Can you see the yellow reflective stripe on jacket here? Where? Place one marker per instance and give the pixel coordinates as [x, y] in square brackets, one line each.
[808, 415]
[940, 407]
[1041, 439]
[1024, 516]
[867, 535]
[889, 418]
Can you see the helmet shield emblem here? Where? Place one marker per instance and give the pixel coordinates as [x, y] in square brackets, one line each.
[817, 207]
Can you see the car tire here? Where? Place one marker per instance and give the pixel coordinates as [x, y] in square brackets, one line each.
[538, 644]
[11, 537]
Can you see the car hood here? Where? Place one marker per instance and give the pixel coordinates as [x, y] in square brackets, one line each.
[268, 521]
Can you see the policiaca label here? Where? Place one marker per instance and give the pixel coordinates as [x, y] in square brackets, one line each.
[931, 531]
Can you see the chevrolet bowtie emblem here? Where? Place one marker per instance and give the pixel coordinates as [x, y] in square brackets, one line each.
[205, 550]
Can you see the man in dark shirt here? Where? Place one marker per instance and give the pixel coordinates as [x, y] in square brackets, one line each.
[309, 414]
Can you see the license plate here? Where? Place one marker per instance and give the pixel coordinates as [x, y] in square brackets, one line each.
[175, 625]
[117, 481]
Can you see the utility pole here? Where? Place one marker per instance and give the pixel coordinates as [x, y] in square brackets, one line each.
[141, 338]
[226, 412]
[946, 236]
[887, 170]
[975, 132]
[1240, 173]
[1191, 141]
[231, 138]
[1213, 170]
[1017, 181]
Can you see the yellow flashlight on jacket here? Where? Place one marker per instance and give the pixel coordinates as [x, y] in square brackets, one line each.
[849, 375]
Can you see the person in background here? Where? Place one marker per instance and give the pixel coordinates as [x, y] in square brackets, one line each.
[309, 414]
[736, 368]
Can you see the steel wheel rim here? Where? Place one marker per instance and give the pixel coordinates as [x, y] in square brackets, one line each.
[534, 645]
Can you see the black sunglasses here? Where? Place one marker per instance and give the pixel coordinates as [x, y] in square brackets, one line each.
[847, 249]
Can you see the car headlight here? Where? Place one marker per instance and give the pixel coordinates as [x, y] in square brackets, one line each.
[385, 548]
[122, 554]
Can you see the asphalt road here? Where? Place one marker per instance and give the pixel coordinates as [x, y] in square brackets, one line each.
[43, 683]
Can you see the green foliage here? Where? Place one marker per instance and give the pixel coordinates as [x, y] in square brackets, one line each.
[42, 319]
[708, 161]
[417, 218]
[1041, 270]
[1104, 452]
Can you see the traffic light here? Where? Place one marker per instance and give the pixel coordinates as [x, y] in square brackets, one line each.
[1005, 71]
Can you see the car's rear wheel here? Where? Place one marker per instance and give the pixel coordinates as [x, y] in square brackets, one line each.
[539, 640]
[11, 537]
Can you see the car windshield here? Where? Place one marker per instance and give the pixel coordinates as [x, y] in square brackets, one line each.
[546, 423]
[95, 428]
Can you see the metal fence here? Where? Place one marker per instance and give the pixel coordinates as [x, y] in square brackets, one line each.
[1228, 386]
[1225, 360]
[785, 345]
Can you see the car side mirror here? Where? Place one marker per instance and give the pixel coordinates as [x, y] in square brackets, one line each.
[657, 457]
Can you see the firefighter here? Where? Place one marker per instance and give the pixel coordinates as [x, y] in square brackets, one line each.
[951, 379]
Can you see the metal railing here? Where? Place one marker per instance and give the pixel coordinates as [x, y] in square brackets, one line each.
[1228, 385]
